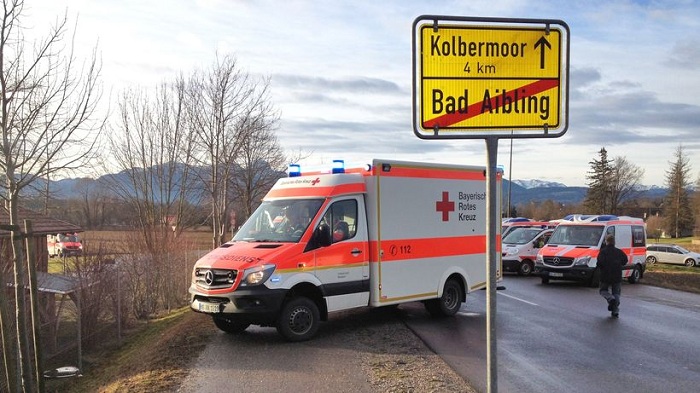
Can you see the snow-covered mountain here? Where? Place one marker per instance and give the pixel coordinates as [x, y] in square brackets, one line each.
[535, 183]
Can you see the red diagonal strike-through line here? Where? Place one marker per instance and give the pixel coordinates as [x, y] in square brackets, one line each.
[475, 109]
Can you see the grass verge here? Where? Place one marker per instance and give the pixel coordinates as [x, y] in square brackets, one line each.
[155, 358]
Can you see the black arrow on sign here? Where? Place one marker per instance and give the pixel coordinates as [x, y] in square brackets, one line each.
[542, 42]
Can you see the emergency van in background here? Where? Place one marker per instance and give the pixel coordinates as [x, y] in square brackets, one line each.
[385, 234]
[64, 244]
[572, 250]
[507, 227]
[520, 248]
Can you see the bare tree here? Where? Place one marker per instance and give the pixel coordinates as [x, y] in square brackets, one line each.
[624, 182]
[260, 162]
[227, 109]
[48, 103]
[153, 148]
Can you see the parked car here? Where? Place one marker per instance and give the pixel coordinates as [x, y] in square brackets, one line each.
[671, 253]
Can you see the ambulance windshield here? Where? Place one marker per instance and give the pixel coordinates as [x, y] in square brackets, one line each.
[279, 221]
[521, 235]
[577, 235]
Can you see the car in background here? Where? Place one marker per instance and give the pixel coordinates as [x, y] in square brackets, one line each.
[671, 253]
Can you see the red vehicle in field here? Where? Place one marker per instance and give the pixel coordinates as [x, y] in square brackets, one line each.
[64, 244]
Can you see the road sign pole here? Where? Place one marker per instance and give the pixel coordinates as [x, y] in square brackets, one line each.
[492, 220]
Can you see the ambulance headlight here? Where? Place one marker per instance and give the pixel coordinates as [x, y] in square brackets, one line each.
[257, 275]
[511, 251]
[583, 261]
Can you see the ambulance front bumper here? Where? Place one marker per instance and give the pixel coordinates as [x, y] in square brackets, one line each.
[569, 273]
[257, 305]
[511, 265]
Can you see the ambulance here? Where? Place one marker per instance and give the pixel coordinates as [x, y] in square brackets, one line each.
[383, 234]
[520, 248]
[64, 244]
[572, 250]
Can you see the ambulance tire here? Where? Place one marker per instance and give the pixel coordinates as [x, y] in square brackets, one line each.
[449, 303]
[526, 268]
[299, 319]
[635, 276]
[229, 325]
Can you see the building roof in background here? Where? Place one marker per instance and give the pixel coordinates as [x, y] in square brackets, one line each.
[41, 224]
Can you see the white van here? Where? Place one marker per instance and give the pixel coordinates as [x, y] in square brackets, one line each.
[520, 248]
[572, 251]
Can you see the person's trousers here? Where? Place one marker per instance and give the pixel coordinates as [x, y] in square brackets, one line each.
[606, 287]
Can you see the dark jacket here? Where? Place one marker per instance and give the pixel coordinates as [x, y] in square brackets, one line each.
[610, 261]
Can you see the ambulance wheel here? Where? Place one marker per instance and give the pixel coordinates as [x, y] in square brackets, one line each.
[299, 319]
[635, 276]
[449, 303]
[526, 268]
[229, 325]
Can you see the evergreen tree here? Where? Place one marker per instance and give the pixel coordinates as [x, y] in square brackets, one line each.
[599, 184]
[677, 210]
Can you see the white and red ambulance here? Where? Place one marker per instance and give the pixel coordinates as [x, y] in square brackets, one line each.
[572, 251]
[64, 244]
[388, 233]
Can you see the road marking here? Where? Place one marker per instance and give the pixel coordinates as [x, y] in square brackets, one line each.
[518, 299]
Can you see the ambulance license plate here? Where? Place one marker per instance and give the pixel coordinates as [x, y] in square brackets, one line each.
[553, 274]
[209, 307]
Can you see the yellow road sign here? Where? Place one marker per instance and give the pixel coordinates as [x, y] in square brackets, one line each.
[475, 77]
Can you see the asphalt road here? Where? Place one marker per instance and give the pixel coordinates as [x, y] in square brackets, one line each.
[561, 338]
[550, 338]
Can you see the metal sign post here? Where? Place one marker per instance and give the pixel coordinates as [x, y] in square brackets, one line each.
[492, 222]
[490, 78]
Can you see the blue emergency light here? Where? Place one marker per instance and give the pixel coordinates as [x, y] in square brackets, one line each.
[294, 170]
[338, 166]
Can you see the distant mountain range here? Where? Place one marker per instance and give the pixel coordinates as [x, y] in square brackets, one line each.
[522, 191]
[534, 183]
[525, 191]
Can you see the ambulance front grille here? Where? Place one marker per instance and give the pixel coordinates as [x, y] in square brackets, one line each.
[215, 278]
[558, 261]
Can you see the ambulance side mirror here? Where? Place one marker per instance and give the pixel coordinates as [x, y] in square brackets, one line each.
[323, 235]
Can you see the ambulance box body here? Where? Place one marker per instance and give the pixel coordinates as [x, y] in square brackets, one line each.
[572, 251]
[389, 233]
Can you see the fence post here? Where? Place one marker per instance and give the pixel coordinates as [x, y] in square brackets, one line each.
[34, 305]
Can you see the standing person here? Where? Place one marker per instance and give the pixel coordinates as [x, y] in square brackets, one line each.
[610, 261]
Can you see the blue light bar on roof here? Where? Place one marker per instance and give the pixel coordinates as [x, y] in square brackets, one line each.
[338, 166]
[294, 170]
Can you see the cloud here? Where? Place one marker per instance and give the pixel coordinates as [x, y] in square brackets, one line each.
[685, 54]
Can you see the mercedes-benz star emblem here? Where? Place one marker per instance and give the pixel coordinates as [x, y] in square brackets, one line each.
[556, 260]
[209, 277]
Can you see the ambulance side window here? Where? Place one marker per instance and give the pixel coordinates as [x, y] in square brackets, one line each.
[342, 217]
[610, 231]
[638, 236]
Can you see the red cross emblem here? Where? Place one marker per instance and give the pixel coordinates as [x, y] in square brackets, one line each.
[445, 206]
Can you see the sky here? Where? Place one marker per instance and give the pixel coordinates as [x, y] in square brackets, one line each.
[341, 73]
